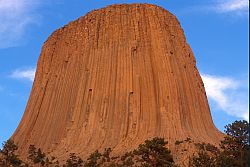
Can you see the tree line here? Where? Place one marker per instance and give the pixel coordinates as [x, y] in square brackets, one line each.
[232, 152]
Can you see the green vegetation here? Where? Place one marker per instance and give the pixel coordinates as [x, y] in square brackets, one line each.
[74, 161]
[8, 156]
[93, 158]
[233, 152]
[154, 153]
[128, 159]
[151, 153]
[37, 156]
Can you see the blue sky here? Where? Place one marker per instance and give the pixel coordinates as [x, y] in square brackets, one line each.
[217, 31]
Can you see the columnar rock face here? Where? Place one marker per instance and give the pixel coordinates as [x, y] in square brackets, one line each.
[113, 78]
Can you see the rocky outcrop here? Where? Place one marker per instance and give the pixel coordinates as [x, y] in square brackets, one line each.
[113, 78]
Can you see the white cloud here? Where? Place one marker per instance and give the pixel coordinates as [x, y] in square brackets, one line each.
[229, 95]
[27, 74]
[15, 16]
[236, 6]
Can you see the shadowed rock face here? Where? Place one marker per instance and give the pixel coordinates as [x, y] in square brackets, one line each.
[113, 78]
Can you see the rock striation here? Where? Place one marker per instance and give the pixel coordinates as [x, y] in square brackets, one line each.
[113, 78]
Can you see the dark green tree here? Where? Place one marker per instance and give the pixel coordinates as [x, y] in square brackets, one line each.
[202, 159]
[8, 156]
[74, 161]
[32, 152]
[37, 156]
[128, 159]
[93, 159]
[41, 157]
[235, 145]
[154, 153]
[206, 156]
[234, 150]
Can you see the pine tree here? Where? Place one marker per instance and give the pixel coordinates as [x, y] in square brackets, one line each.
[234, 150]
[154, 153]
[93, 159]
[202, 159]
[128, 159]
[37, 156]
[8, 155]
[74, 161]
[236, 144]
[32, 152]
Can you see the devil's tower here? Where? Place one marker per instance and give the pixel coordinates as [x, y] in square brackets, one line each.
[113, 78]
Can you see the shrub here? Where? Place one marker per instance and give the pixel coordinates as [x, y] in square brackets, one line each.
[8, 156]
[74, 161]
[154, 153]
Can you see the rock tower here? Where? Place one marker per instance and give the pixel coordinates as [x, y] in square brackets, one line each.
[113, 78]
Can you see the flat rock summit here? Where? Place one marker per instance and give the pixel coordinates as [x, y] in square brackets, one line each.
[114, 78]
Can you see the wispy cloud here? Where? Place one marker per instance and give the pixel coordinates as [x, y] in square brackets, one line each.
[234, 8]
[229, 94]
[15, 16]
[229, 6]
[25, 74]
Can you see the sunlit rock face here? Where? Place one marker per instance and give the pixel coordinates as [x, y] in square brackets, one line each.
[113, 78]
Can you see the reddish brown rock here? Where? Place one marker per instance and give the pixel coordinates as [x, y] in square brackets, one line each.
[113, 78]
